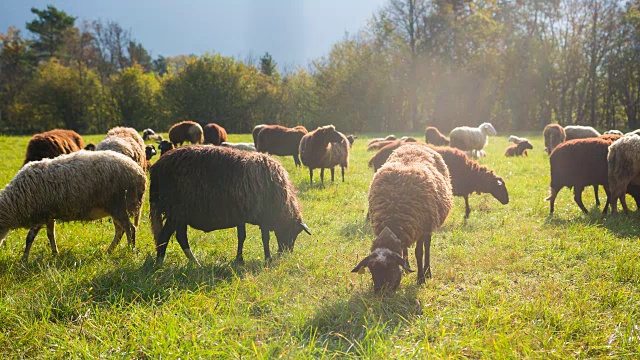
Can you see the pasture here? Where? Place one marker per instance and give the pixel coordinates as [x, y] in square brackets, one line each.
[509, 282]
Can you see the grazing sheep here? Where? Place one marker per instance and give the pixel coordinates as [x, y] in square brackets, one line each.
[471, 139]
[186, 131]
[386, 138]
[211, 188]
[580, 132]
[623, 171]
[50, 144]
[323, 148]
[433, 136]
[467, 176]
[613, 132]
[553, 135]
[516, 140]
[380, 144]
[579, 163]
[246, 146]
[80, 186]
[165, 146]
[409, 198]
[214, 134]
[149, 134]
[518, 149]
[281, 141]
[127, 141]
[255, 132]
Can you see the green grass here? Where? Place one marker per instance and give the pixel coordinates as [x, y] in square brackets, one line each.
[510, 282]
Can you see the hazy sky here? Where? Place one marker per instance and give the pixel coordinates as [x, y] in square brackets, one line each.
[292, 31]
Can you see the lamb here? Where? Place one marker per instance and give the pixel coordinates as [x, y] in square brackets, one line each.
[433, 136]
[579, 163]
[553, 135]
[467, 176]
[165, 146]
[518, 149]
[517, 140]
[214, 134]
[50, 144]
[186, 131]
[149, 134]
[471, 139]
[246, 146]
[255, 132]
[80, 186]
[409, 198]
[211, 188]
[127, 141]
[623, 171]
[580, 132]
[324, 148]
[281, 141]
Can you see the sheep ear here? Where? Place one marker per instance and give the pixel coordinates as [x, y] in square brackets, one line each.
[305, 228]
[363, 264]
[402, 263]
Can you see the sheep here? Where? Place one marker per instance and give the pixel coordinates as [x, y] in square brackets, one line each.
[613, 132]
[80, 186]
[433, 136]
[165, 146]
[50, 144]
[553, 135]
[578, 163]
[380, 144]
[623, 171]
[186, 131]
[90, 147]
[471, 139]
[386, 138]
[255, 132]
[214, 134]
[211, 188]
[281, 141]
[634, 132]
[580, 132]
[467, 176]
[323, 148]
[149, 152]
[351, 139]
[246, 146]
[127, 141]
[149, 134]
[518, 149]
[516, 140]
[409, 198]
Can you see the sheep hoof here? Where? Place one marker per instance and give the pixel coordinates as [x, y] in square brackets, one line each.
[159, 261]
[239, 260]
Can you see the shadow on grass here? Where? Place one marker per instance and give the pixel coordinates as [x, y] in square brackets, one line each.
[355, 325]
[620, 224]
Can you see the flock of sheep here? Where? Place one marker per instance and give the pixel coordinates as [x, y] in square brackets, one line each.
[231, 184]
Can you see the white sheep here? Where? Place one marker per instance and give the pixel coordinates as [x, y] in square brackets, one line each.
[84, 185]
[614, 132]
[517, 140]
[623, 165]
[126, 141]
[246, 146]
[580, 132]
[471, 139]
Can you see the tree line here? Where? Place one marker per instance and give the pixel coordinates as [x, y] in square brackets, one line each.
[517, 64]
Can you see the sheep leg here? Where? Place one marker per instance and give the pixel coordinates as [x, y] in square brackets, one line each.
[51, 234]
[118, 235]
[127, 226]
[163, 240]
[467, 209]
[342, 167]
[623, 201]
[419, 254]
[265, 244]
[30, 236]
[310, 176]
[577, 197]
[332, 174]
[427, 256]
[242, 236]
[181, 236]
[322, 175]
[296, 159]
[595, 192]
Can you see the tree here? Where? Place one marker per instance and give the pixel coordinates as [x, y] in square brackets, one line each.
[50, 27]
[135, 94]
[139, 55]
[267, 65]
[16, 66]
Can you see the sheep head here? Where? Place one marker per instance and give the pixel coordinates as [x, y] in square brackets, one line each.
[287, 237]
[90, 147]
[330, 134]
[164, 146]
[525, 145]
[487, 129]
[150, 151]
[499, 190]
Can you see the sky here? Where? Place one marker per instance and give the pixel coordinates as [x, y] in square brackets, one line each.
[294, 32]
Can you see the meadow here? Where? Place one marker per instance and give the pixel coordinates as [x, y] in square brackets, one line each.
[510, 282]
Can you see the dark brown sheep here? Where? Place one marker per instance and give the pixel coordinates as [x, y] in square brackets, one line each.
[255, 132]
[281, 141]
[211, 188]
[51, 144]
[553, 135]
[165, 146]
[149, 152]
[186, 131]
[323, 148]
[579, 163]
[519, 149]
[467, 176]
[433, 136]
[214, 134]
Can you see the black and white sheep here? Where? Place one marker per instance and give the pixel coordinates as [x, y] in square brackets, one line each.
[471, 139]
[323, 148]
[409, 198]
[84, 185]
[516, 139]
[211, 188]
[149, 134]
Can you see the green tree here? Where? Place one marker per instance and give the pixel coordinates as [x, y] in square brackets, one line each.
[50, 27]
[267, 65]
[135, 94]
[17, 64]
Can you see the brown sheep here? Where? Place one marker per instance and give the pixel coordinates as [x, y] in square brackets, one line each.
[380, 144]
[553, 135]
[409, 198]
[165, 146]
[256, 131]
[214, 134]
[433, 136]
[467, 176]
[519, 149]
[186, 131]
[211, 188]
[281, 141]
[50, 144]
[386, 138]
[323, 148]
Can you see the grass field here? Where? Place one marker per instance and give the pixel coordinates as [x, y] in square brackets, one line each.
[509, 282]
